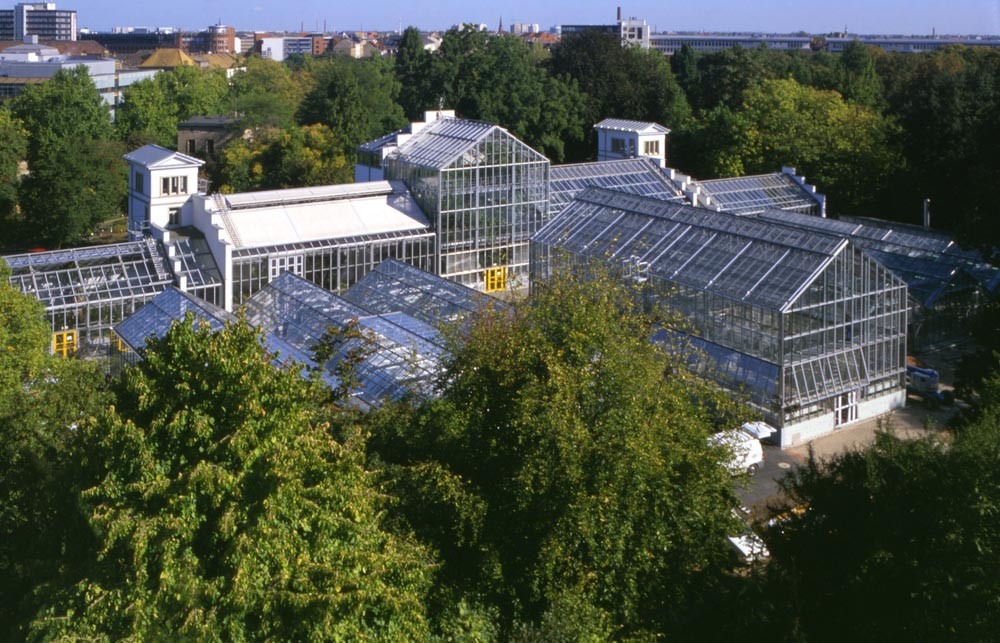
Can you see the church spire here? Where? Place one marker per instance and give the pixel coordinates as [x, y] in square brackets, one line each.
[500, 28]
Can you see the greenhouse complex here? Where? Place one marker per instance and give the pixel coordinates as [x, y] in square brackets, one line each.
[808, 317]
[807, 326]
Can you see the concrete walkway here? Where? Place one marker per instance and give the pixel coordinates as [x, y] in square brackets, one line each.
[913, 421]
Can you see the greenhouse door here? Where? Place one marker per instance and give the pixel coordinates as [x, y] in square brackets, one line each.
[846, 408]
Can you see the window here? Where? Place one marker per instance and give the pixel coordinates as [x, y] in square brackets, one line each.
[139, 183]
[175, 216]
[618, 146]
[173, 185]
[280, 264]
[210, 146]
[64, 343]
[651, 148]
[190, 146]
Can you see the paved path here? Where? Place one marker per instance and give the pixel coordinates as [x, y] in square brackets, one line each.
[914, 421]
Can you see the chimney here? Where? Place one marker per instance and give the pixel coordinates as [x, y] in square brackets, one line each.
[927, 214]
[619, 14]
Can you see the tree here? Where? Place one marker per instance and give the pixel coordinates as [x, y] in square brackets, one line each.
[858, 82]
[266, 94]
[846, 150]
[564, 464]
[12, 152]
[622, 82]
[283, 158]
[356, 99]
[152, 108]
[73, 187]
[898, 542]
[42, 399]
[147, 115]
[224, 510]
[684, 64]
[76, 176]
[413, 71]
[728, 74]
[65, 107]
[948, 104]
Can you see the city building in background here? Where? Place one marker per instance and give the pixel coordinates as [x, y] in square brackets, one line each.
[40, 19]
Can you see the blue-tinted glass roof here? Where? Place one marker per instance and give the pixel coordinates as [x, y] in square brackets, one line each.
[154, 318]
[635, 176]
[757, 378]
[754, 194]
[738, 257]
[930, 262]
[63, 279]
[401, 353]
[446, 140]
[396, 286]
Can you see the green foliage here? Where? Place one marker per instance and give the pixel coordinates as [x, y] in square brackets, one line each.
[948, 104]
[846, 149]
[726, 76]
[225, 511]
[74, 186]
[152, 108]
[64, 108]
[899, 542]
[500, 80]
[283, 158]
[564, 469]
[147, 115]
[413, 70]
[12, 152]
[620, 82]
[858, 81]
[356, 99]
[267, 94]
[76, 176]
[41, 400]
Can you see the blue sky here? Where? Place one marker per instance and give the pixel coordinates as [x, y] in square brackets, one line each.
[814, 16]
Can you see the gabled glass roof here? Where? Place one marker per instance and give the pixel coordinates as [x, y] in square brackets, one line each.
[401, 354]
[154, 318]
[396, 286]
[754, 194]
[69, 278]
[928, 261]
[737, 257]
[441, 143]
[636, 176]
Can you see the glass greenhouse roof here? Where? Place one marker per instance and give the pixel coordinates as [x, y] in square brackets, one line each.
[755, 194]
[446, 140]
[154, 318]
[401, 352]
[396, 286]
[634, 176]
[196, 261]
[67, 278]
[928, 261]
[741, 258]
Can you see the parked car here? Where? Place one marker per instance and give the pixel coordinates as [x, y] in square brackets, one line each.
[744, 445]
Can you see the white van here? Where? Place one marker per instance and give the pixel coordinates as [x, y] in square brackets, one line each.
[744, 443]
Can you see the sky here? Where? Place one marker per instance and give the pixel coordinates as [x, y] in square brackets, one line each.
[917, 17]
